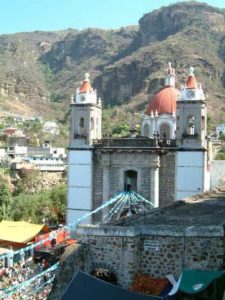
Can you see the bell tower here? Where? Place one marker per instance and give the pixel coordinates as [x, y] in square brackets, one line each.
[192, 165]
[192, 115]
[86, 118]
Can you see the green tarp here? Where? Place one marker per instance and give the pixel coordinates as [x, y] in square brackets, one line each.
[196, 281]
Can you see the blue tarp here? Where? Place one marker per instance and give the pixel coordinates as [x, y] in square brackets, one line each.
[86, 287]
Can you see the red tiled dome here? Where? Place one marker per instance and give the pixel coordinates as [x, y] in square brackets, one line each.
[164, 101]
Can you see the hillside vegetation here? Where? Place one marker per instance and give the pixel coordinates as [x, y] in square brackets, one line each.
[40, 70]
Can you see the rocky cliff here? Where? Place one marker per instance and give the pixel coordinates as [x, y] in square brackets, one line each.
[42, 69]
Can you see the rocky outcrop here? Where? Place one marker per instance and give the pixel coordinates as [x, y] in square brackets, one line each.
[167, 21]
[32, 181]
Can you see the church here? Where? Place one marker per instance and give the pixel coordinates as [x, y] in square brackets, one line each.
[167, 162]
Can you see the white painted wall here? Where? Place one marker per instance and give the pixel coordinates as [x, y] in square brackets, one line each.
[79, 194]
[154, 124]
[2, 153]
[217, 173]
[190, 173]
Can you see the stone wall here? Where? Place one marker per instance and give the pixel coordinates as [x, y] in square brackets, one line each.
[167, 174]
[116, 250]
[97, 180]
[154, 250]
[110, 166]
[73, 259]
[163, 256]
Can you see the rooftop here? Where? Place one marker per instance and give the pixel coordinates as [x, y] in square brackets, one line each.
[202, 210]
[134, 142]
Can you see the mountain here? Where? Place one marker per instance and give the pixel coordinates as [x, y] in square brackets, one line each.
[40, 70]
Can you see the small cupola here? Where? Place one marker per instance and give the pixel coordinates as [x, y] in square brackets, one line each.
[170, 75]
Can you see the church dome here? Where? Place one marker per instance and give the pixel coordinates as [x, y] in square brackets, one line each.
[164, 102]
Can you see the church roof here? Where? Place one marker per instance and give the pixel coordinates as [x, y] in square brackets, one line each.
[164, 101]
[206, 209]
[86, 85]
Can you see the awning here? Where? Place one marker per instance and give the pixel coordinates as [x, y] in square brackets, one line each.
[98, 289]
[19, 231]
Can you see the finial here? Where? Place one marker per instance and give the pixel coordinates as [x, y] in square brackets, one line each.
[99, 101]
[72, 99]
[86, 76]
[191, 70]
[169, 71]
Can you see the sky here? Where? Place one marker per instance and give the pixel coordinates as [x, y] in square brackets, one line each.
[50, 15]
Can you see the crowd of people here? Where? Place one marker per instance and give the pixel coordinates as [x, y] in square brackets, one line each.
[12, 276]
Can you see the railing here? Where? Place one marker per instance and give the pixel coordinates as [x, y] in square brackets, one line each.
[134, 142]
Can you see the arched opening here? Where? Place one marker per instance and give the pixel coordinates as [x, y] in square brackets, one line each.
[146, 130]
[105, 275]
[191, 125]
[130, 180]
[164, 132]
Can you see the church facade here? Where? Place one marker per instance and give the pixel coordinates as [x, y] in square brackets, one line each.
[168, 162]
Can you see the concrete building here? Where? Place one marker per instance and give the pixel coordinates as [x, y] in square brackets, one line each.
[168, 162]
[51, 127]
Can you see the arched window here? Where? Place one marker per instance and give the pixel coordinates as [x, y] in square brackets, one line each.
[130, 180]
[164, 131]
[146, 130]
[191, 125]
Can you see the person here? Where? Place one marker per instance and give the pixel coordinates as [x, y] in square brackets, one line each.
[128, 184]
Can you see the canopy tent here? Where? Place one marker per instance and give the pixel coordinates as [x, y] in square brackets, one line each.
[20, 231]
[4, 250]
[195, 281]
[86, 287]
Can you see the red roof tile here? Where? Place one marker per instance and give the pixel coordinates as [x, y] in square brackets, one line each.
[164, 101]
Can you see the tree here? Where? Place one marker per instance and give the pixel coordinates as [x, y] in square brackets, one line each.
[222, 136]
[5, 202]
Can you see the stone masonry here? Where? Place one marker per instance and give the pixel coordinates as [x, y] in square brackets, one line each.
[188, 234]
[156, 250]
[109, 167]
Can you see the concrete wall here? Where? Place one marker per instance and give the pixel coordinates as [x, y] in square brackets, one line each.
[217, 173]
[79, 195]
[190, 173]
